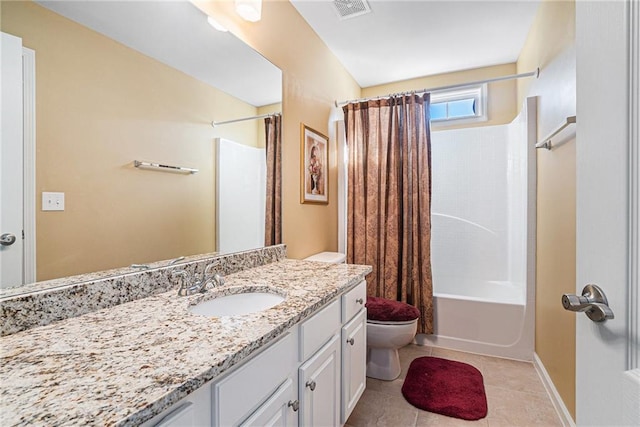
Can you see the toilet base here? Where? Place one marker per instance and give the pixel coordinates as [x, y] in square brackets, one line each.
[383, 363]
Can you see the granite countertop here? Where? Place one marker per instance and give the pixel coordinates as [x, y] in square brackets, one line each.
[125, 364]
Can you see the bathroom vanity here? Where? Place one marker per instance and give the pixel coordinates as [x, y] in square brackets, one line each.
[313, 375]
[152, 362]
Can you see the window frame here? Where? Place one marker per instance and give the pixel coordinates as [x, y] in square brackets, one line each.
[478, 92]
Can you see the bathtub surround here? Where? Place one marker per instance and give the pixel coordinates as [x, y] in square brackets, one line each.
[482, 237]
[125, 364]
[389, 198]
[47, 302]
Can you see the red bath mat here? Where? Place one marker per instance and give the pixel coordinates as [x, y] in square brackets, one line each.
[445, 387]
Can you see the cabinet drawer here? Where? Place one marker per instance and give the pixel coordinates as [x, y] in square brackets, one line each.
[353, 301]
[239, 394]
[317, 330]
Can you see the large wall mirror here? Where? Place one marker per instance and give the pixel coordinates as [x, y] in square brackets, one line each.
[124, 81]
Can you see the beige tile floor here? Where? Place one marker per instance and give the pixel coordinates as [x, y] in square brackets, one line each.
[515, 395]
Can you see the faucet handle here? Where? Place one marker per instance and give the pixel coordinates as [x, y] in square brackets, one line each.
[185, 283]
[207, 271]
[218, 279]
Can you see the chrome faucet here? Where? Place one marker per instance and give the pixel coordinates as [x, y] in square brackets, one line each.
[216, 279]
[208, 280]
[186, 287]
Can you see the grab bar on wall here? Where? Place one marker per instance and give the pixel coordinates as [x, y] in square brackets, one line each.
[546, 142]
[139, 164]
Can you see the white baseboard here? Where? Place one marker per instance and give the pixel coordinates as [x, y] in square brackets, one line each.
[557, 401]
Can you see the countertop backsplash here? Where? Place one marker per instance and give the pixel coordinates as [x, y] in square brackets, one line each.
[51, 301]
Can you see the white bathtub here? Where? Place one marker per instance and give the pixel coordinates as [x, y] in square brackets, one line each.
[483, 228]
[482, 317]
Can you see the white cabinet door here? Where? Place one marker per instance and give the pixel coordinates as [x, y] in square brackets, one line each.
[319, 387]
[354, 356]
[280, 410]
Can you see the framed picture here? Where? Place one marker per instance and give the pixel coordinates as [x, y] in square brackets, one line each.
[314, 166]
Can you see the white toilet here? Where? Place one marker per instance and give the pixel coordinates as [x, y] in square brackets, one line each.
[385, 333]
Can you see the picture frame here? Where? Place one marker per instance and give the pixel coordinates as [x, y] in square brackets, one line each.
[314, 166]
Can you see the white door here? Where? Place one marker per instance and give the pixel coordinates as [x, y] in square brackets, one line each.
[11, 162]
[606, 202]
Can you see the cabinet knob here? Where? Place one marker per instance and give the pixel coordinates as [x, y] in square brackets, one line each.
[360, 301]
[350, 341]
[311, 384]
[295, 405]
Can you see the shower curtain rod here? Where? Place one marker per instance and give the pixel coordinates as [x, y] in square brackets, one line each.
[262, 116]
[456, 86]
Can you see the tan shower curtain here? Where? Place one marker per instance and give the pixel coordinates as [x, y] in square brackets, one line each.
[389, 199]
[273, 213]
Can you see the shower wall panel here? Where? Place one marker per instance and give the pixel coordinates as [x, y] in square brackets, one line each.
[478, 203]
[241, 187]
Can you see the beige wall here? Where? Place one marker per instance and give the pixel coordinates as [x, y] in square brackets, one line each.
[312, 80]
[501, 104]
[551, 45]
[101, 105]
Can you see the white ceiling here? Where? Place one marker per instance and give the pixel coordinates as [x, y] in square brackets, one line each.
[400, 40]
[177, 34]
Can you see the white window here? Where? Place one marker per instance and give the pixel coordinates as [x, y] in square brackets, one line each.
[459, 105]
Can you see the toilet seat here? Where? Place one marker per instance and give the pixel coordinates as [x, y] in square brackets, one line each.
[390, 311]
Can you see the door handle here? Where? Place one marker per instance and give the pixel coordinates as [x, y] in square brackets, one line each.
[7, 239]
[593, 302]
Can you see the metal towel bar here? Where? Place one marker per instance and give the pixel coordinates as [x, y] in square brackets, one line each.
[546, 142]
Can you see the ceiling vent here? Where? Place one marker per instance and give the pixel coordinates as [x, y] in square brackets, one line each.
[347, 9]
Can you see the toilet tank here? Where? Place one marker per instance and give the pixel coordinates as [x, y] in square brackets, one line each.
[330, 257]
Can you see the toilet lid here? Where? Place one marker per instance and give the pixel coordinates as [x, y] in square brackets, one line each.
[386, 310]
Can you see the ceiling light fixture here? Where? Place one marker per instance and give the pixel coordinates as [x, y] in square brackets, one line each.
[215, 24]
[249, 10]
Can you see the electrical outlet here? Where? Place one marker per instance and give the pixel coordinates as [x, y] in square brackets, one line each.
[52, 201]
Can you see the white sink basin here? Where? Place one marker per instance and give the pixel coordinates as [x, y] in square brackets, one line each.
[237, 304]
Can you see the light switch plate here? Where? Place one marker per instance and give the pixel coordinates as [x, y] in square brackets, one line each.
[52, 201]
